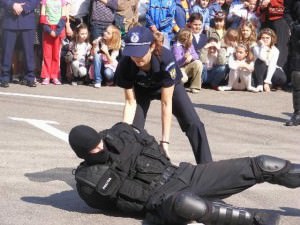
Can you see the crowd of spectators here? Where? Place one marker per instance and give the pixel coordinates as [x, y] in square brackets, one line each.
[219, 44]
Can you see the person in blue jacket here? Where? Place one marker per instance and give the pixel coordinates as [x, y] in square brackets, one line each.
[18, 19]
[160, 16]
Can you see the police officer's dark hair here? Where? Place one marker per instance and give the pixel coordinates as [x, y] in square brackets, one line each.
[195, 16]
[158, 41]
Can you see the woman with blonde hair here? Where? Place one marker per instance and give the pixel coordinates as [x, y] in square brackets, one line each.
[106, 49]
[188, 60]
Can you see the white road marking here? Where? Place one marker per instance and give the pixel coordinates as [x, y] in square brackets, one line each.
[61, 98]
[44, 125]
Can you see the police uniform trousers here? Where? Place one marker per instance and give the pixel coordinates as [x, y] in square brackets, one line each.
[212, 181]
[8, 46]
[185, 114]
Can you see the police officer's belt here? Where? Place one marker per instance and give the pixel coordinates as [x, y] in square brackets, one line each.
[164, 178]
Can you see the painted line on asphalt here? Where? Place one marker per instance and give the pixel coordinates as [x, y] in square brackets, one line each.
[45, 125]
[61, 98]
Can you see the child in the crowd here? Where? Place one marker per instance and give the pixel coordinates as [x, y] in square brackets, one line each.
[219, 29]
[106, 50]
[247, 33]
[241, 65]
[243, 10]
[181, 15]
[266, 71]
[160, 17]
[80, 49]
[201, 6]
[214, 7]
[196, 25]
[77, 13]
[188, 60]
[231, 39]
[214, 60]
[53, 18]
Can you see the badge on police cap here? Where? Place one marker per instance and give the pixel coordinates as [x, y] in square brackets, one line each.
[134, 38]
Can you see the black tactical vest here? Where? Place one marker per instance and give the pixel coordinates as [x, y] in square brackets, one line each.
[126, 182]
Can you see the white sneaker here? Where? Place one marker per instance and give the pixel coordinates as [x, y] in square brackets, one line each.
[253, 89]
[74, 83]
[97, 85]
[224, 88]
[260, 88]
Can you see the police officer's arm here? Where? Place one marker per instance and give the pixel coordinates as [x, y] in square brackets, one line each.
[130, 106]
[166, 114]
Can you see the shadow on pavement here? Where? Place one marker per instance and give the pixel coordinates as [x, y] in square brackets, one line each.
[66, 200]
[239, 112]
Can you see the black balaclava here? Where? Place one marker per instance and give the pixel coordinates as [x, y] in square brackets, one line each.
[83, 139]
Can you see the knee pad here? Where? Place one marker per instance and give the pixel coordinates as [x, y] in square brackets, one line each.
[190, 206]
[270, 164]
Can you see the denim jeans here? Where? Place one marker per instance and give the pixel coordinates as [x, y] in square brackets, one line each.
[108, 75]
[100, 72]
[213, 76]
[97, 68]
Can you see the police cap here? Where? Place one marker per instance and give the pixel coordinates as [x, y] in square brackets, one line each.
[137, 41]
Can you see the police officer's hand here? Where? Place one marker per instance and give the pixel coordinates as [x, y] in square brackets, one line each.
[164, 147]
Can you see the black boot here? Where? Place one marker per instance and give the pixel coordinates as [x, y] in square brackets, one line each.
[192, 207]
[278, 171]
[294, 120]
[261, 218]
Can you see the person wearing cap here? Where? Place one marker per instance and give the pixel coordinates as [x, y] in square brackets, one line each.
[219, 28]
[124, 170]
[148, 71]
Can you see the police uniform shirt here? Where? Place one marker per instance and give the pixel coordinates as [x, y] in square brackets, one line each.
[164, 72]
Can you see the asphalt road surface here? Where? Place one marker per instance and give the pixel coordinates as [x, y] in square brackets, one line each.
[36, 163]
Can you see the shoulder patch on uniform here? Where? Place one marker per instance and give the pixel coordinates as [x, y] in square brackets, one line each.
[169, 66]
[173, 73]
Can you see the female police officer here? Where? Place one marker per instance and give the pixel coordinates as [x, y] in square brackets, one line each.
[148, 71]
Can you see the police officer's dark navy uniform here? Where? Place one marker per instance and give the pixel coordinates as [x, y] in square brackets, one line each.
[124, 169]
[147, 86]
[12, 26]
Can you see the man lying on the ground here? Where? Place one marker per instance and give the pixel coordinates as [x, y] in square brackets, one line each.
[124, 169]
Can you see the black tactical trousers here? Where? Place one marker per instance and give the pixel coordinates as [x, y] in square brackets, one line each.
[214, 181]
[296, 90]
[184, 111]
